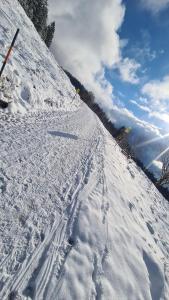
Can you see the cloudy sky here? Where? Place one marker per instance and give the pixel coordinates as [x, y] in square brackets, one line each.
[119, 49]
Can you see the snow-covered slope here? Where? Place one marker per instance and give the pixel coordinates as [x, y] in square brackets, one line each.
[35, 81]
[78, 221]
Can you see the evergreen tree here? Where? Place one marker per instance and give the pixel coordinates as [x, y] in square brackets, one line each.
[40, 15]
[37, 11]
[28, 7]
[49, 34]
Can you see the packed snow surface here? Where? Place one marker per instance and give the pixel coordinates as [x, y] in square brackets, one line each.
[78, 220]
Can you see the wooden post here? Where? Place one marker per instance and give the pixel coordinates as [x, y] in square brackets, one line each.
[9, 52]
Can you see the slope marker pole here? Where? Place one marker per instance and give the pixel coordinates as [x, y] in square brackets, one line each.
[9, 52]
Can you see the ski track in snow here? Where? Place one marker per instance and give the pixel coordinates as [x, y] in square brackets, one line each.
[97, 200]
[32, 150]
[61, 191]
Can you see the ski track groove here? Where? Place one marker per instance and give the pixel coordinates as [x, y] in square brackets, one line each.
[47, 271]
[60, 230]
[26, 266]
[61, 269]
[66, 196]
[72, 215]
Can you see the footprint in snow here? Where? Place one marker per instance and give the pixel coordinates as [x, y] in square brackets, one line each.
[2, 185]
[131, 206]
[156, 276]
[25, 94]
[14, 296]
[150, 228]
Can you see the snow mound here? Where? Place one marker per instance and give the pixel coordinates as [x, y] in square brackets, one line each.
[32, 79]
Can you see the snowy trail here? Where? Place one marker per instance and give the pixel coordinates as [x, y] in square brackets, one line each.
[78, 220]
[117, 251]
[48, 162]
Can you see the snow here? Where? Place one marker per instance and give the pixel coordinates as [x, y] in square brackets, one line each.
[35, 81]
[121, 238]
[78, 220]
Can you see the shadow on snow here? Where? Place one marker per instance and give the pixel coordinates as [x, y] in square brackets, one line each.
[63, 134]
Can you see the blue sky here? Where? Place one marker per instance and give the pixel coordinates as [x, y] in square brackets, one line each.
[145, 36]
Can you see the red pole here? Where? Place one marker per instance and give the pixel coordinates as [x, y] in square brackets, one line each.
[9, 52]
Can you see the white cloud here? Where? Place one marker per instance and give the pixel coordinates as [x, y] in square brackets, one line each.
[145, 53]
[141, 132]
[160, 116]
[128, 70]
[158, 92]
[142, 107]
[155, 6]
[156, 168]
[143, 100]
[86, 39]
[124, 117]
[153, 115]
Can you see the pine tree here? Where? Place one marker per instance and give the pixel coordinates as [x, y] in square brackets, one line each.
[40, 15]
[28, 7]
[49, 34]
[37, 11]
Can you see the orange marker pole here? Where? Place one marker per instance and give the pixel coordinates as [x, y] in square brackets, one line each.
[9, 52]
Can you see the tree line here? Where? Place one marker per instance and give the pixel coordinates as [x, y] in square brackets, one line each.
[37, 11]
